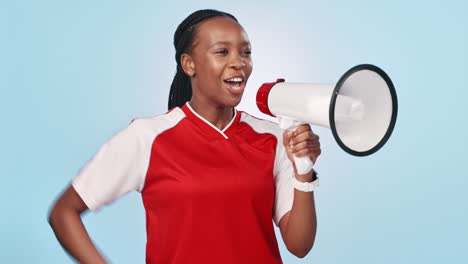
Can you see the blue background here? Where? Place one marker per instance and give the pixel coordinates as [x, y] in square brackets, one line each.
[73, 73]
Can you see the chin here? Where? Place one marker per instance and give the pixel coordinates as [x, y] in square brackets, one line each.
[233, 102]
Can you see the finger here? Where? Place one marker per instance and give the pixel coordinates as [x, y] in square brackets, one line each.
[303, 152]
[302, 128]
[287, 135]
[306, 135]
[313, 154]
[308, 152]
[305, 144]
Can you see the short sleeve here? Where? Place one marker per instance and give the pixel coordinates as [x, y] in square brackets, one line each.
[284, 190]
[118, 167]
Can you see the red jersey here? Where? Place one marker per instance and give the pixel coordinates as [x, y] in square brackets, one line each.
[210, 195]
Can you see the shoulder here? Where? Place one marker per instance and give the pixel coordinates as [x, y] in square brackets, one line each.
[261, 125]
[157, 124]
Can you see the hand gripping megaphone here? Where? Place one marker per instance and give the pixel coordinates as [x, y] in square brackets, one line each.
[360, 109]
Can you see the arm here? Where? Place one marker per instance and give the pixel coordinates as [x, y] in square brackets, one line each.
[117, 168]
[65, 220]
[299, 226]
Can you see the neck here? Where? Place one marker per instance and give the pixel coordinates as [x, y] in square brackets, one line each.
[217, 115]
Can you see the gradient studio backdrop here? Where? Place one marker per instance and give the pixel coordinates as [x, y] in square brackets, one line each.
[74, 73]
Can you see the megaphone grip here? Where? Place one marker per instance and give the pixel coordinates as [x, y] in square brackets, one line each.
[303, 164]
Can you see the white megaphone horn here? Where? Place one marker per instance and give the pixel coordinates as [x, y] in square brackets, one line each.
[360, 109]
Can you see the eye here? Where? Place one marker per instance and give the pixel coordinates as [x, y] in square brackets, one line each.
[248, 52]
[224, 51]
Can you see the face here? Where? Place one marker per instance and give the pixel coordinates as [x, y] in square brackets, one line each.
[220, 62]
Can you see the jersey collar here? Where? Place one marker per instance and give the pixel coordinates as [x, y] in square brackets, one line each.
[209, 128]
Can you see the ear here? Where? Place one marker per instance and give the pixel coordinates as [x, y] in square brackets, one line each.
[187, 64]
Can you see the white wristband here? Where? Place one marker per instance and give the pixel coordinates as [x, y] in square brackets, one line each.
[305, 186]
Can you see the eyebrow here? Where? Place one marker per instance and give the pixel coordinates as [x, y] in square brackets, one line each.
[227, 43]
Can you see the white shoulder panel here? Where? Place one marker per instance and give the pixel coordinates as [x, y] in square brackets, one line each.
[121, 163]
[283, 169]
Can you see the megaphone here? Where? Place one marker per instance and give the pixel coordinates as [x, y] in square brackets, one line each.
[360, 109]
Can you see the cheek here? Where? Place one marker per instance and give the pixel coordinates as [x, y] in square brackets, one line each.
[211, 76]
[212, 69]
[249, 67]
[217, 66]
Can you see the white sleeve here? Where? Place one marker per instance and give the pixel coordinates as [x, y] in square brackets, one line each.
[118, 167]
[284, 190]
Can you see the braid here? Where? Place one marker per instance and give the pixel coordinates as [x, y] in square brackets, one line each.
[181, 87]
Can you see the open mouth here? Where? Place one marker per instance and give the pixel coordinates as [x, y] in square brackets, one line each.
[235, 85]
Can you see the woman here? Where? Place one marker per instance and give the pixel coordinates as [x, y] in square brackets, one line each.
[212, 178]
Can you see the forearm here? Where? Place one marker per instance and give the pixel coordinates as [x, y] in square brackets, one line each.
[73, 237]
[302, 225]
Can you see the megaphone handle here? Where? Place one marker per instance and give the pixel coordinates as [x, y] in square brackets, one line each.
[303, 164]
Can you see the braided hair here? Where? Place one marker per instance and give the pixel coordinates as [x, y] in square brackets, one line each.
[181, 87]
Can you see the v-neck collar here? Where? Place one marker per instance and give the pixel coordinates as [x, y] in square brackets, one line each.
[208, 127]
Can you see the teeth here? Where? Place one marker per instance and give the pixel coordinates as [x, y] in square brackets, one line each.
[235, 80]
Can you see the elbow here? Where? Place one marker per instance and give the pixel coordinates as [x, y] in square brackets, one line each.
[51, 214]
[55, 213]
[301, 253]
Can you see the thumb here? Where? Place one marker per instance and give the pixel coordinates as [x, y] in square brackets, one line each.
[287, 135]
